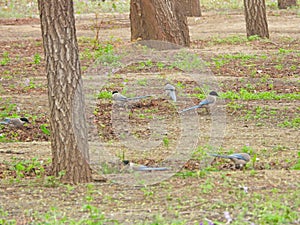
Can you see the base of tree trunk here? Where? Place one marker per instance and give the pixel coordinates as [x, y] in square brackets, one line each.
[191, 8]
[162, 20]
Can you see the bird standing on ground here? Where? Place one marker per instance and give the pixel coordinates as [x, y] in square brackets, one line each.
[15, 122]
[170, 91]
[137, 167]
[119, 97]
[210, 100]
[239, 159]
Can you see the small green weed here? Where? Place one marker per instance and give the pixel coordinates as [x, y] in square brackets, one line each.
[5, 59]
[148, 192]
[271, 95]
[166, 142]
[206, 187]
[44, 129]
[33, 166]
[4, 214]
[187, 61]
[37, 59]
[104, 54]
[297, 165]
[235, 39]
[104, 95]
[290, 123]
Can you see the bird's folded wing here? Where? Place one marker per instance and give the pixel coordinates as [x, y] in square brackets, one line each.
[237, 156]
[205, 102]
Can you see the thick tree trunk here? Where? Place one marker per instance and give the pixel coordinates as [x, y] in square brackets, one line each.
[69, 143]
[284, 4]
[159, 20]
[256, 19]
[192, 7]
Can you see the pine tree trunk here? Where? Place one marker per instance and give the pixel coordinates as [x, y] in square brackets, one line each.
[159, 20]
[284, 4]
[69, 143]
[256, 19]
[192, 8]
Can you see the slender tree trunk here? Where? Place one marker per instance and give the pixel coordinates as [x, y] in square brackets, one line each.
[69, 143]
[256, 19]
[192, 7]
[284, 4]
[159, 20]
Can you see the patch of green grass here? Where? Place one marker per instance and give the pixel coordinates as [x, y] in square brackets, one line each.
[147, 64]
[166, 142]
[270, 95]
[104, 54]
[4, 59]
[284, 51]
[160, 65]
[86, 54]
[8, 109]
[37, 58]
[44, 129]
[3, 215]
[104, 95]
[33, 166]
[142, 82]
[93, 215]
[187, 61]
[222, 59]
[185, 174]
[290, 123]
[3, 139]
[297, 165]
[234, 105]
[234, 39]
[206, 187]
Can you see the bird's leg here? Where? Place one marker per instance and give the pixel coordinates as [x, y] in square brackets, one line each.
[207, 110]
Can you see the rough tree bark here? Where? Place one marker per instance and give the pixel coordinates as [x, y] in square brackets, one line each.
[159, 20]
[256, 19]
[284, 4]
[192, 7]
[69, 143]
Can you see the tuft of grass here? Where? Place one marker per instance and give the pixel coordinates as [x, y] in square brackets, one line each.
[293, 123]
[44, 129]
[297, 165]
[33, 166]
[104, 95]
[187, 61]
[104, 54]
[166, 142]
[37, 59]
[271, 95]
[5, 59]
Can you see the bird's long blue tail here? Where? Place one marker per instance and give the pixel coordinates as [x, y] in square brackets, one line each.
[221, 156]
[153, 169]
[188, 109]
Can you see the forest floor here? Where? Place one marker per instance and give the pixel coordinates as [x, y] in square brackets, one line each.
[258, 81]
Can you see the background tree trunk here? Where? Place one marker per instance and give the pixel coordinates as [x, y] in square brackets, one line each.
[192, 7]
[159, 20]
[283, 4]
[69, 143]
[256, 19]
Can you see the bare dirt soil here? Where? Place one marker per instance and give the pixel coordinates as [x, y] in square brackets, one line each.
[186, 197]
